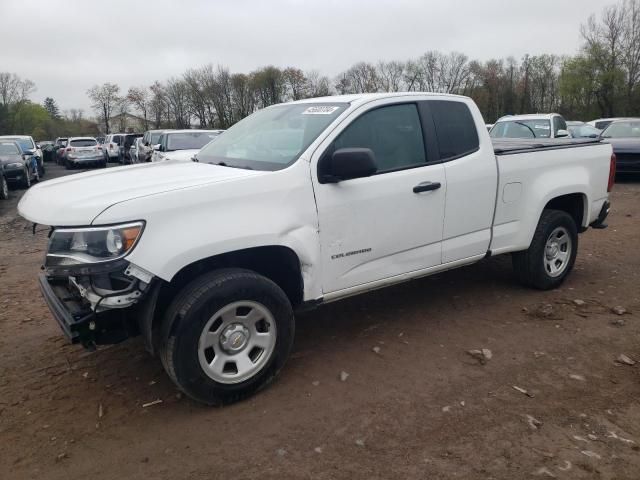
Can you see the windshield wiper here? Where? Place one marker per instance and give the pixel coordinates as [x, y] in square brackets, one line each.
[525, 125]
[223, 164]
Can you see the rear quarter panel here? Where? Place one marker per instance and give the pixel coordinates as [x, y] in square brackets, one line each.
[529, 180]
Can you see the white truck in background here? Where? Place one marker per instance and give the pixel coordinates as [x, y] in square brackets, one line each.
[298, 205]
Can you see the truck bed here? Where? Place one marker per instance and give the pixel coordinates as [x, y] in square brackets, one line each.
[508, 146]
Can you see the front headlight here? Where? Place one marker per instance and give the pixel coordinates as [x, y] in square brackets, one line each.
[14, 165]
[91, 245]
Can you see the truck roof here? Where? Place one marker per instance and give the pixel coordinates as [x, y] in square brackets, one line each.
[365, 97]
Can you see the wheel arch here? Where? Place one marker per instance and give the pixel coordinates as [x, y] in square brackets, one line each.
[278, 263]
[575, 204]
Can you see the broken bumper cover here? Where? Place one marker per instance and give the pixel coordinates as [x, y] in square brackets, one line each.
[74, 324]
[78, 320]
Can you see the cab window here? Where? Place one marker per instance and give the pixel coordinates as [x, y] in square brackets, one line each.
[393, 133]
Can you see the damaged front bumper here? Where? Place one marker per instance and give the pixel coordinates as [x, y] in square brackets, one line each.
[97, 310]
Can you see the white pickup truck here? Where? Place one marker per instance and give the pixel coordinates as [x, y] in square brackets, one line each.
[298, 205]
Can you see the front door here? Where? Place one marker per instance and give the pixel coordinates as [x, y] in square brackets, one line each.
[390, 223]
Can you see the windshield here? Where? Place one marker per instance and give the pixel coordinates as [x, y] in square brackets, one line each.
[622, 130]
[189, 140]
[8, 149]
[273, 138]
[25, 143]
[522, 129]
[84, 142]
[583, 131]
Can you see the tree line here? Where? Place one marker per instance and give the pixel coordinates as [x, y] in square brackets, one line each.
[601, 80]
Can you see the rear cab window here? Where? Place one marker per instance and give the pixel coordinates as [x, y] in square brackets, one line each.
[455, 129]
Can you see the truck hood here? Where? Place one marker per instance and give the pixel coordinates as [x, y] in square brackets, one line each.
[78, 199]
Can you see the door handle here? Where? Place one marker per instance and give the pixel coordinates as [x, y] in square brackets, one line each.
[426, 187]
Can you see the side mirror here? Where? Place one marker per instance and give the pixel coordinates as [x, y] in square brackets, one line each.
[157, 148]
[562, 133]
[37, 147]
[346, 164]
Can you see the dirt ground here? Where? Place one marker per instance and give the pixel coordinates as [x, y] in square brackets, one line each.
[418, 406]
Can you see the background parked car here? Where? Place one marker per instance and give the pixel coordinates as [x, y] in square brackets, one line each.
[602, 123]
[84, 152]
[29, 148]
[135, 150]
[549, 125]
[47, 150]
[127, 141]
[111, 146]
[182, 144]
[150, 139]
[583, 130]
[58, 149]
[18, 168]
[624, 137]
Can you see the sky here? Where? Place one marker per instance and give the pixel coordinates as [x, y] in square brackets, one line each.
[66, 46]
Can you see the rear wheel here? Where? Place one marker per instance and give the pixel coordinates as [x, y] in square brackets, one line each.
[552, 253]
[227, 335]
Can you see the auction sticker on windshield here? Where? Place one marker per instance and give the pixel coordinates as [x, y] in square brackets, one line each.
[320, 110]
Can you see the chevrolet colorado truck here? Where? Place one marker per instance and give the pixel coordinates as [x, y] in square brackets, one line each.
[298, 205]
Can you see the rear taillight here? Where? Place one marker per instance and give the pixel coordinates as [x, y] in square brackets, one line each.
[98, 147]
[612, 173]
[111, 146]
[69, 149]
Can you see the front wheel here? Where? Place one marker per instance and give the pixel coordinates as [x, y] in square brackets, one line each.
[552, 253]
[227, 335]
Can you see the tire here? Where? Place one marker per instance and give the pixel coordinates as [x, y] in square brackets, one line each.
[546, 268]
[4, 188]
[26, 181]
[195, 315]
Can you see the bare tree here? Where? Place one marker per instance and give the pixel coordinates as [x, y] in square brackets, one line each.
[243, 96]
[296, 83]
[157, 103]
[603, 43]
[104, 100]
[269, 85]
[13, 89]
[390, 76]
[177, 95]
[631, 49]
[317, 85]
[140, 98]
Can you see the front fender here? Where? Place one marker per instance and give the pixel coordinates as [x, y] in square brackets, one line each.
[185, 226]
